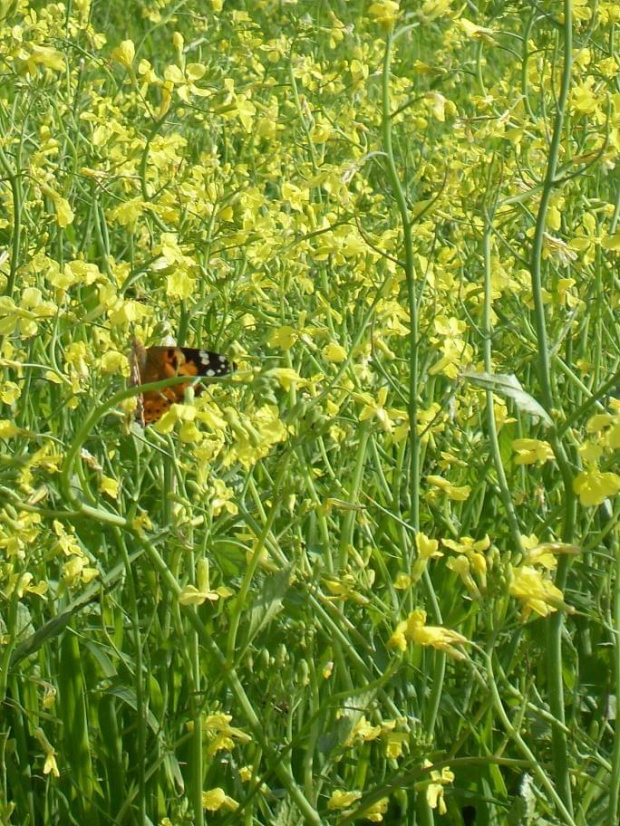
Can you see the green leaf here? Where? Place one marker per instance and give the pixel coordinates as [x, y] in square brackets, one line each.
[509, 386]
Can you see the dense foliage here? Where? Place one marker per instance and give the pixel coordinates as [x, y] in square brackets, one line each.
[375, 574]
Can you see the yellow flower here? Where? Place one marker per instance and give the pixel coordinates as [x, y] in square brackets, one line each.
[477, 32]
[286, 376]
[76, 571]
[255, 436]
[461, 566]
[346, 587]
[127, 213]
[611, 242]
[64, 213]
[180, 284]
[124, 53]
[434, 790]
[342, 800]
[594, 486]
[189, 433]
[192, 595]
[536, 593]
[114, 362]
[375, 812]
[427, 549]
[544, 553]
[9, 392]
[530, 451]
[283, 338]
[585, 97]
[376, 409]
[363, 731]
[334, 353]
[176, 413]
[109, 486]
[435, 8]
[385, 13]
[459, 494]
[127, 312]
[471, 557]
[394, 740]
[414, 629]
[8, 429]
[44, 56]
[50, 766]
[216, 799]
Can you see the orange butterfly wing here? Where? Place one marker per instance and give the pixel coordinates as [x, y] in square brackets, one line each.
[151, 364]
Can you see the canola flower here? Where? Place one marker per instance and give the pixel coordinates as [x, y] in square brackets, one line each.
[414, 630]
[237, 190]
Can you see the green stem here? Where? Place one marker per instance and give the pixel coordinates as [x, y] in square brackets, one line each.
[409, 267]
[509, 507]
[236, 608]
[132, 609]
[282, 771]
[555, 623]
[614, 795]
[541, 776]
[16, 190]
[346, 537]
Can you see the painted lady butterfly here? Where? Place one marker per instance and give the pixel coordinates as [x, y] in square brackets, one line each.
[150, 364]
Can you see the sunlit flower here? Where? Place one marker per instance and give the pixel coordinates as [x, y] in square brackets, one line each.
[536, 593]
[384, 12]
[363, 731]
[427, 549]
[109, 486]
[216, 799]
[395, 741]
[414, 629]
[375, 812]
[459, 494]
[64, 213]
[342, 800]
[374, 408]
[221, 735]
[530, 451]
[283, 337]
[461, 566]
[435, 789]
[335, 353]
[545, 554]
[202, 592]
[124, 53]
[594, 486]
[50, 766]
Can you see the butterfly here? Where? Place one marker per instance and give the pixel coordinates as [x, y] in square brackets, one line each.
[150, 364]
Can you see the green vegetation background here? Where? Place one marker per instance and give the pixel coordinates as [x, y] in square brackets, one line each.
[282, 604]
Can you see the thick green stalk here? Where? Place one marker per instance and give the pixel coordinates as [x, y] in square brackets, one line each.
[401, 203]
[425, 813]
[614, 795]
[554, 624]
[509, 507]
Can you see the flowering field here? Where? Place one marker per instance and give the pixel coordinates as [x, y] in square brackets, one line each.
[372, 574]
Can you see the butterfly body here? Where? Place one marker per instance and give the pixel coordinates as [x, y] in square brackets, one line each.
[151, 364]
